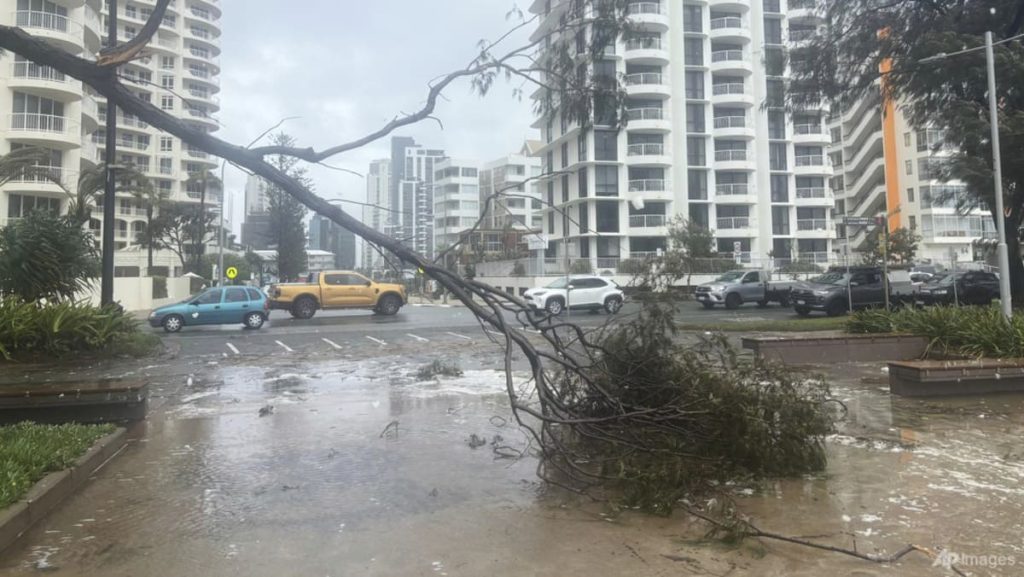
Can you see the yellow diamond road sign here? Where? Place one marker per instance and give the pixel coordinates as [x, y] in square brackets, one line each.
[231, 272]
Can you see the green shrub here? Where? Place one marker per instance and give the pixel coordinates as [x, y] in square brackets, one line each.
[29, 451]
[43, 256]
[56, 329]
[634, 266]
[159, 287]
[581, 267]
[518, 269]
[956, 331]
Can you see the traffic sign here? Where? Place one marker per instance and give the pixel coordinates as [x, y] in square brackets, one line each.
[537, 241]
[231, 272]
[859, 221]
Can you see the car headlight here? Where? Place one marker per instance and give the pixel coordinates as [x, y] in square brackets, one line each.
[152, 315]
[822, 293]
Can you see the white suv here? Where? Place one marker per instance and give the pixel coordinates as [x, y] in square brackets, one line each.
[583, 292]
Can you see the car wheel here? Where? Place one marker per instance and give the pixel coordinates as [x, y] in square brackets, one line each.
[613, 305]
[784, 302]
[835, 308]
[254, 320]
[733, 301]
[554, 306]
[802, 311]
[304, 308]
[173, 323]
[708, 305]
[389, 305]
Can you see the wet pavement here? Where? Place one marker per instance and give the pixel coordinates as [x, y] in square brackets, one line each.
[358, 468]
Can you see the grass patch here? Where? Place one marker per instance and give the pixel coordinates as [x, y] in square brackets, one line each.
[29, 451]
[782, 326]
[438, 367]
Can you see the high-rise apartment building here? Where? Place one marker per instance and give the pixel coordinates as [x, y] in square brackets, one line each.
[706, 134]
[325, 235]
[177, 72]
[456, 199]
[377, 213]
[519, 205]
[411, 193]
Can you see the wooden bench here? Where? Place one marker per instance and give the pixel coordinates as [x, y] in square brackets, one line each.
[101, 401]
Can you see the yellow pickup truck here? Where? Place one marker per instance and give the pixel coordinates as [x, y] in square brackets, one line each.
[336, 289]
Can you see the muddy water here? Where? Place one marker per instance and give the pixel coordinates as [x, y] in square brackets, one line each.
[358, 469]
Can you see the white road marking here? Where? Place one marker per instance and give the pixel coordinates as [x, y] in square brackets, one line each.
[378, 341]
[233, 348]
[460, 336]
[526, 330]
[332, 343]
[420, 339]
[285, 347]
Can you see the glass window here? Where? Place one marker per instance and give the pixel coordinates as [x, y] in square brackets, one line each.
[693, 51]
[254, 295]
[607, 216]
[693, 20]
[695, 151]
[777, 156]
[581, 183]
[235, 295]
[210, 297]
[695, 84]
[780, 187]
[910, 195]
[697, 185]
[606, 145]
[606, 181]
[695, 118]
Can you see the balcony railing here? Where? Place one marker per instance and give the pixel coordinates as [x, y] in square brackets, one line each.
[727, 22]
[811, 192]
[645, 8]
[647, 220]
[33, 71]
[808, 129]
[646, 43]
[728, 88]
[195, 153]
[39, 19]
[644, 78]
[730, 121]
[730, 155]
[646, 149]
[649, 185]
[800, 35]
[732, 189]
[726, 55]
[134, 144]
[810, 160]
[734, 222]
[51, 173]
[649, 113]
[33, 122]
[812, 224]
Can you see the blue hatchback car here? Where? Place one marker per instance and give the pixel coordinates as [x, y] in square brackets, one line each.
[215, 306]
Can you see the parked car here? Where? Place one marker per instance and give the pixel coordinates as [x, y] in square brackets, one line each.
[921, 277]
[337, 289]
[579, 292]
[734, 288]
[215, 306]
[828, 292]
[968, 287]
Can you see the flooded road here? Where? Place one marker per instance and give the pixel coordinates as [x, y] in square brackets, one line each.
[327, 466]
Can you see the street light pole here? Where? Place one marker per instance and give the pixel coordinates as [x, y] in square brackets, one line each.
[110, 188]
[997, 169]
[220, 227]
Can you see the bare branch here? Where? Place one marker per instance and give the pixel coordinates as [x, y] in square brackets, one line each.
[114, 56]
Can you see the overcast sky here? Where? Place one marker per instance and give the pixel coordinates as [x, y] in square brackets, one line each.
[346, 68]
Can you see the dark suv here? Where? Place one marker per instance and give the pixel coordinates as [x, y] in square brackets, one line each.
[969, 288]
[827, 293]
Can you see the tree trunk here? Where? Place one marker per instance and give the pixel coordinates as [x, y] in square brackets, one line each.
[1016, 265]
[197, 245]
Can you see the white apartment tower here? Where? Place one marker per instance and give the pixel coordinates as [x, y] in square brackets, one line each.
[416, 197]
[377, 214]
[706, 135]
[456, 199]
[516, 176]
[56, 112]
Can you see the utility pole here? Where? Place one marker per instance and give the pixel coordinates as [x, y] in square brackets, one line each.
[109, 189]
[220, 227]
[997, 168]
[885, 259]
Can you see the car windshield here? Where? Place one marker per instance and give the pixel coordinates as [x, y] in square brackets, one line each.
[731, 276]
[836, 278]
[560, 283]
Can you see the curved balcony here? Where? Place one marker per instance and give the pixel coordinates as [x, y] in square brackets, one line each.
[651, 119]
[196, 155]
[813, 196]
[650, 189]
[648, 16]
[648, 154]
[90, 151]
[730, 61]
[648, 84]
[44, 81]
[734, 159]
[202, 117]
[648, 221]
[729, 28]
[811, 134]
[734, 126]
[53, 27]
[93, 26]
[46, 129]
[741, 226]
[43, 184]
[127, 122]
[203, 76]
[731, 93]
[646, 51]
[805, 12]
[204, 98]
[735, 193]
[201, 15]
[800, 38]
[90, 113]
[202, 37]
[815, 164]
[734, 5]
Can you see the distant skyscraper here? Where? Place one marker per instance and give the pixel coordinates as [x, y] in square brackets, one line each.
[255, 197]
[378, 215]
[326, 235]
[412, 195]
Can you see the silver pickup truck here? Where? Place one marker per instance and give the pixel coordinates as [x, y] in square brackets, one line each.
[736, 287]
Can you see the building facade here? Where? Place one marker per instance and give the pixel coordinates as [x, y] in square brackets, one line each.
[456, 200]
[706, 135]
[377, 215]
[325, 235]
[58, 113]
[411, 192]
[515, 176]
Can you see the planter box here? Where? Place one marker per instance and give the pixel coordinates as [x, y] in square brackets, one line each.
[101, 401]
[46, 494]
[838, 349]
[971, 377]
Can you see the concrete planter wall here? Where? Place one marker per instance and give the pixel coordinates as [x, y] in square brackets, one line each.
[942, 378]
[81, 402]
[837, 349]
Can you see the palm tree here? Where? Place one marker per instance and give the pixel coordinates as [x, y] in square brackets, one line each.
[92, 183]
[27, 162]
[151, 198]
[205, 179]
